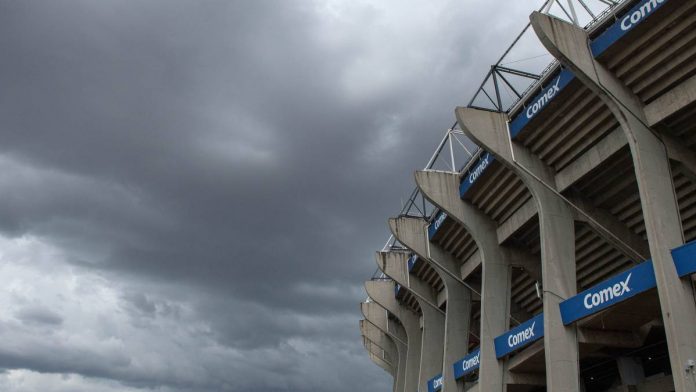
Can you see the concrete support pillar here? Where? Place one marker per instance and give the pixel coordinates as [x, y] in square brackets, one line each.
[432, 348]
[382, 292]
[394, 264]
[412, 233]
[442, 189]
[557, 235]
[569, 45]
[433, 317]
[377, 316]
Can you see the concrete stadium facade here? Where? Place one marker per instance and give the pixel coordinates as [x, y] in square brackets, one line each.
[562, 257]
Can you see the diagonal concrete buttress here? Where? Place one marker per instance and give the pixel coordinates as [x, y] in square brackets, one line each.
[382, 292]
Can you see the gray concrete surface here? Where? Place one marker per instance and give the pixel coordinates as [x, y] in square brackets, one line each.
[557, 233]
[569, 44]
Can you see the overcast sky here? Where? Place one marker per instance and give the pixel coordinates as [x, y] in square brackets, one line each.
[192, 192]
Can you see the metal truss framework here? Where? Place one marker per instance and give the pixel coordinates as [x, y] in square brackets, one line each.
[519, 83]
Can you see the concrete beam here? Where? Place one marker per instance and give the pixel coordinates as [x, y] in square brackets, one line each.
[523, 356]
[515, 222]
[671, 102]
[557, 234]
[615, 339]
[382, 292]
[677, 151]
[612, 230]
[591, 159]
[470, 265]
[569, 44]
[526, 379]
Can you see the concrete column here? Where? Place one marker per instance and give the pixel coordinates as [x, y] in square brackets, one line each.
[442, 189]
[382, 292]
[432, 348]
[377, 316]
[569, 45]
[433, 317]
[412, 233]
[394, 265]
[557, 235]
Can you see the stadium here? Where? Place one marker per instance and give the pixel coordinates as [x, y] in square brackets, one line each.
[549, 244]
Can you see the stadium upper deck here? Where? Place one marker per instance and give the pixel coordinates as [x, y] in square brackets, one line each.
[556, 258]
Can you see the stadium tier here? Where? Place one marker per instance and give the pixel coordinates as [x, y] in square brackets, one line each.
[562, 256]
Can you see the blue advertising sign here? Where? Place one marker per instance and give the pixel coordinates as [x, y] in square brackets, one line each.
[619, 288]
[522, 335]
[625, 24]
[540, 101]
[412, 262]
[468, 364]
[475, 172]
[631, 19]
[435, 383]
[437, 223]
[685, 259]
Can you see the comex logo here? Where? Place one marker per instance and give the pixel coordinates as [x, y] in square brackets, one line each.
[522, 336]
[479, 169]
[439, 221]
[437, 383]
[607, 294]
[471, 362]
[544, 99]
[636, 16]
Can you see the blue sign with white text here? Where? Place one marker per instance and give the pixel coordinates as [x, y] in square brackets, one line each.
[522, 335]
[685, 259]
[412, 262]
[468, 364]
[619, 288]
[437, 223]
[475, 172]
[435, 383]
[625, 24]
[540, 101]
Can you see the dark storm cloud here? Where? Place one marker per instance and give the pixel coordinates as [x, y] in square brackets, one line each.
[38, 316]
[240, 157]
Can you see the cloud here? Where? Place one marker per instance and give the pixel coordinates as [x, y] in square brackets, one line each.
[193, 191]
